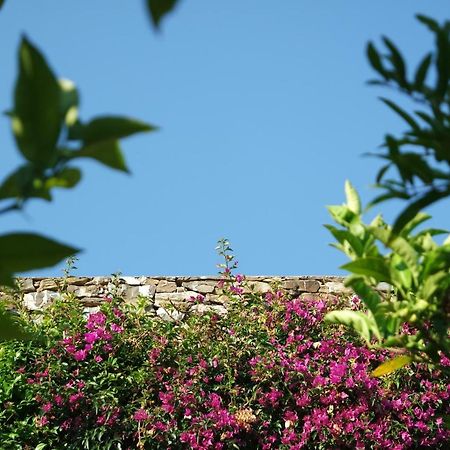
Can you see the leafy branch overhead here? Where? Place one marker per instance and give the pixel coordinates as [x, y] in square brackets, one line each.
[414, 266]
[421, 155]
[51, 137]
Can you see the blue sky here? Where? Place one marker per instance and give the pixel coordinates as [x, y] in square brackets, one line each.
[264, 113]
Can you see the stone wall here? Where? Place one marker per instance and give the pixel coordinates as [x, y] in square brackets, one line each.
[170, 297]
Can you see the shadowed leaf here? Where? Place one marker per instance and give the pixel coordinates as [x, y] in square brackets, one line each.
[157, 9]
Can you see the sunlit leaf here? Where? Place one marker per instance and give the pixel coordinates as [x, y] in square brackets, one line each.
[391, 365]
[353, 201]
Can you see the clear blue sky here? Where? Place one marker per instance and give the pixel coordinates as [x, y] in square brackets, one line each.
[263, 109]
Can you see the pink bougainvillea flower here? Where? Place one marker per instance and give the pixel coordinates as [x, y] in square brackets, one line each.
[140, 415]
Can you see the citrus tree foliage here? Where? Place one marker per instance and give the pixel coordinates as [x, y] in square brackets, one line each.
[50, 137]
[417, 268]
[421, 155]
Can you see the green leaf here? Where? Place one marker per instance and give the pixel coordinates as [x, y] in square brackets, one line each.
[353, 201]
[419, 218]
[36, 118]
[10, 328]
[397, 61]
[367, 294]
[399, 245]
[422, 72]
[345, 236]
[370, 266]
[23, 184]
[403, 114]
[416, 206]
[21, 252]
[110, 128]
[375, 60]
[391, 365]
[433, 283]
[159, 8]
[108, 153]
[430, 23]
[66, 178]
[1, 3]
[364, 325]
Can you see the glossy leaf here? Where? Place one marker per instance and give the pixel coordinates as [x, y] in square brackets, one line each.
[108, 153]
[36, 116]
[158, 9]
[391, 365]
[110, 128]
[20, 252]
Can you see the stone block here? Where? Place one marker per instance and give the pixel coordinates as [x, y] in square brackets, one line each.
[200, 286]
[166, 286]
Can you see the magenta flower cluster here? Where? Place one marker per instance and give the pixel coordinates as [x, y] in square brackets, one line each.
[270, 375]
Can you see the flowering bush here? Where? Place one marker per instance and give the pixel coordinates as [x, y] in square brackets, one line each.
[269, 375]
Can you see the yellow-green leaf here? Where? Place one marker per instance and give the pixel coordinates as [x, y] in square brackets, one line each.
[391, 365]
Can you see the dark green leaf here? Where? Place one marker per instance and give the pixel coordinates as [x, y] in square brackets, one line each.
[403, 114]
[159, 8]
[9, 327]
[430, 23]
[36, 117]
[106, 152]
[24, 184]
[397, 61]
[1, 3]
[110, 128]
[370, 266]
[21, 252]
[422, 71]
[413, 208]
[375, 60]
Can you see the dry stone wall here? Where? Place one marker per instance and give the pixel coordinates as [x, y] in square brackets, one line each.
[170, 297]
